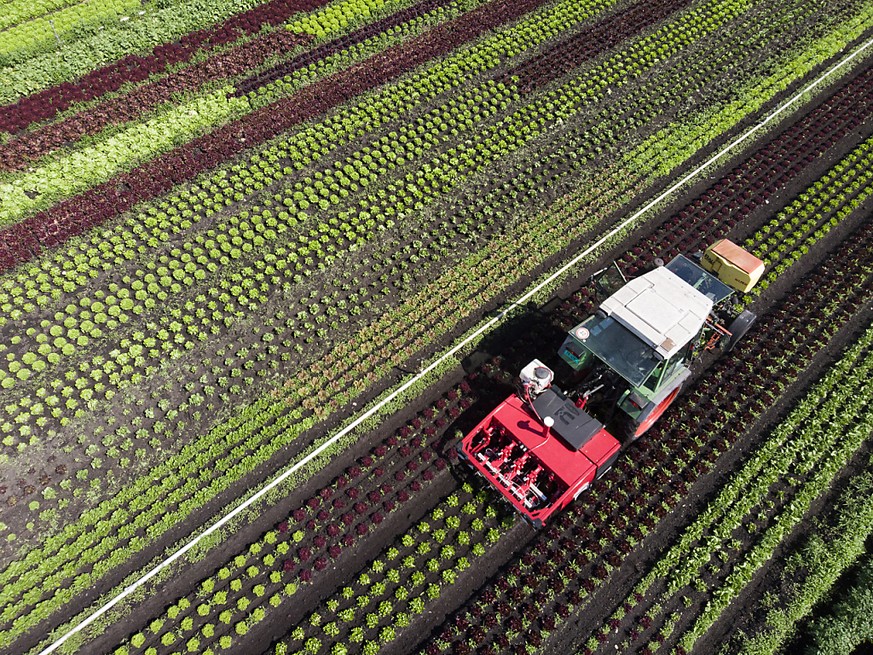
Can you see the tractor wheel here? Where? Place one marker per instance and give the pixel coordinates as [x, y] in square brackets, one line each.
[738, 328]
[633, 430]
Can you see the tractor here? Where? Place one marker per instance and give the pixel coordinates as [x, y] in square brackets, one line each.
[625, 365]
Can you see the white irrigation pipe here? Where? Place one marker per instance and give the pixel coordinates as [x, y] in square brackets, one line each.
[127, 591]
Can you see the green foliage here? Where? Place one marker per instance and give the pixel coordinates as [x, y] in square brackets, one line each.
[77, 57]
[240, 277]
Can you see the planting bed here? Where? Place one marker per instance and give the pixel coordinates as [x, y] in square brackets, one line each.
[227, 228]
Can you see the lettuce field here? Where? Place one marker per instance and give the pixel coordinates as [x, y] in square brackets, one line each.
[263, 264]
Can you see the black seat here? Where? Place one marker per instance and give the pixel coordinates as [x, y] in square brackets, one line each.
[575, 426]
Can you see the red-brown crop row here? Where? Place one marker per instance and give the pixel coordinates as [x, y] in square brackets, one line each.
[93, 207]
[18, 152]
[329, 528]
[562, 57]
[393, 474]
[591, 540]
[337, 45]
[749, 185]
[46, 104]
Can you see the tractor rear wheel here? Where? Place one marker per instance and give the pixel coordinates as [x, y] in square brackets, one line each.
[634, 429]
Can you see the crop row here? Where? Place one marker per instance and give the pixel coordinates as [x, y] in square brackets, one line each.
[42, 86]
[322, 532]
[394, 327]
[662, 467]
[846, 625]
[158, 528]
[737, 532]
[817, 210]
[398, 587]
[65, 173]
[312, 644]
[329, 21]
[22, 10]
[562, 57]
[808, 574]
[46, 34]
[29, 146]
[243, 57]
[324, 50]
[751, 185]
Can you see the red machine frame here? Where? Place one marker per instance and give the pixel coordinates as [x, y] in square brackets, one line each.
[508, 448]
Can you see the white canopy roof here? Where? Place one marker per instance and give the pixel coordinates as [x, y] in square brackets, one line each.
[662, 309]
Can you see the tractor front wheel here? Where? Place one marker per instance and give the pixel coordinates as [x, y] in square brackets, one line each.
[634, 429]
[738, 328]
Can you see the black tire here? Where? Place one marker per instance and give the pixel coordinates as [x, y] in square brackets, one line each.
[632, 429]
[738, 328]
[603, 470]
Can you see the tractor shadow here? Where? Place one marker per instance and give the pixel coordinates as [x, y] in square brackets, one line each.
[532, 332]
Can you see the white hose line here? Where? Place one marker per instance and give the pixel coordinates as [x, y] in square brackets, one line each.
[127, 591]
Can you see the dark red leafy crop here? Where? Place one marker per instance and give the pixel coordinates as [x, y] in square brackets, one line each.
[18, 152]
[47, 103]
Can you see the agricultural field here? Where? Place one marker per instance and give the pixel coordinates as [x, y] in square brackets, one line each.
[264, 264]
